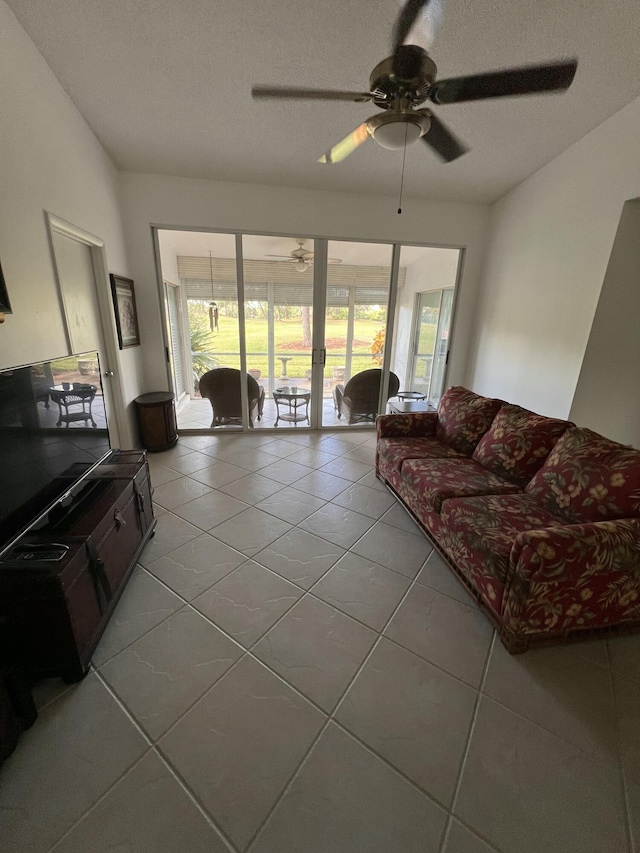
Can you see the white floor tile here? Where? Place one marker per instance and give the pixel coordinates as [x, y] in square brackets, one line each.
[247, 602]
[250, 531]
[337, 525]
[194, 567]
[351, 801]
[304, 568]
[414, 715]
[526, 790]
[300, 557]
[75, 751]
[148, 811]
[240, 744]
[161, 675]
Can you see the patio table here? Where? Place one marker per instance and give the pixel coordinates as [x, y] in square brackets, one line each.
[295, 400]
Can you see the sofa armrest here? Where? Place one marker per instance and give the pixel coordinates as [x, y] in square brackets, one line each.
[414, 425]
[574, 577]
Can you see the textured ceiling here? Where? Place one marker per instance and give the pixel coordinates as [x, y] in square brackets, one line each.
[165, 85]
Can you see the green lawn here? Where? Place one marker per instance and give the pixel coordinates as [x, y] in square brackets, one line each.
[288, 341]
[427, 337]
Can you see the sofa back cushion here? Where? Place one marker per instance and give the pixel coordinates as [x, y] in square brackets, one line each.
[464, 417]
[517, 443]
[589, 478]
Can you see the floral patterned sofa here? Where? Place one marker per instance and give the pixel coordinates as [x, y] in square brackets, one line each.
[539, 518]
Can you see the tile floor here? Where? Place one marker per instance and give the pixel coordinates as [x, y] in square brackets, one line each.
[196, 414]
[291, 668]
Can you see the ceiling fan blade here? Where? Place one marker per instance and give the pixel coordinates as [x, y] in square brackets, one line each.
[346, 146]
[291, 93]
[405, 21]
[427, 24]
[407, 58]
[443, 142]
[553, 77]
[288, 257]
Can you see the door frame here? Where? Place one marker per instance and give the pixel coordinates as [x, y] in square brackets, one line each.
[117, 411]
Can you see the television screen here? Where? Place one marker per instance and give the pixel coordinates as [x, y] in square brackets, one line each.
[53, 430]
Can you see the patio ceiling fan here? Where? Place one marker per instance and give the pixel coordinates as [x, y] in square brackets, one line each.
[408, 78]
[302, 258]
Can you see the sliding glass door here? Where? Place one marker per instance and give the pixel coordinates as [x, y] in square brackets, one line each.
[358, 284]
[311, 333]
[431, 343]
[278, 299]
[423, 324]
[179, 367]
[208, 277]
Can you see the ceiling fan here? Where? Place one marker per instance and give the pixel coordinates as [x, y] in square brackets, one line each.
[408, 78]
[302, 258]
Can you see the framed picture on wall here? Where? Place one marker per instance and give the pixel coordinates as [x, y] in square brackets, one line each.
[5, 305]
[124, 302]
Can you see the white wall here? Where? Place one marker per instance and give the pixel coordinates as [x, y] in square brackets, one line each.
[168, 246]
[608, 382]
[549, 245]
[187, 202]
[435, 270]
[49, 161]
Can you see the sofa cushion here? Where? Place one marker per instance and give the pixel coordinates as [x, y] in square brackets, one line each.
[589, 478]
[394, 451]
[478, 535]
[413, 425]
[464, 417]
[517, 443]
[437, 480]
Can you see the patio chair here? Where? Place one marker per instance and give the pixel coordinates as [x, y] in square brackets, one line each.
[358, 401]
[221, 387]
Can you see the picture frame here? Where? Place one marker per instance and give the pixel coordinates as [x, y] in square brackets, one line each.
[5, 305]
[124, 303]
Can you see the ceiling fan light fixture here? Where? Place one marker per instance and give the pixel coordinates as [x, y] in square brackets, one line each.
[301, 265]
[392, 130]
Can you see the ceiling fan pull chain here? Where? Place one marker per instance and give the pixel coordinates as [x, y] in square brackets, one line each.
[404, 157]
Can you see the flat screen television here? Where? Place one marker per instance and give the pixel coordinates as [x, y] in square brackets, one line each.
[53, 432]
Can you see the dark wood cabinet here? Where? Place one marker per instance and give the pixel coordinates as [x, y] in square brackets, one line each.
[157, 417]
[58, 610]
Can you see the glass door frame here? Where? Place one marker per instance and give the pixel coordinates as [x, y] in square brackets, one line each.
[319, 322]
[318, 349]
[415, 337]
[318, 319]
[440, 361]
[389, 335]
[187, 369]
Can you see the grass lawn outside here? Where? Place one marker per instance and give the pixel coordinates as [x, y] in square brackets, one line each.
[288, 342]
[223, 347]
